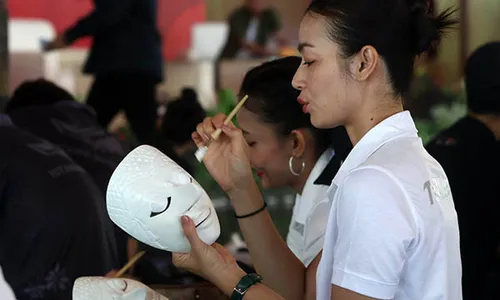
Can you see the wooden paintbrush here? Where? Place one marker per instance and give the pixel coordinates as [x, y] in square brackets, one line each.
[200, 153]
[130, 263]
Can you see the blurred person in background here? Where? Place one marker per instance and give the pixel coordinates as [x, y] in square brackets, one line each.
[54, 226]
[50, 112]
[251, 28]
[125, 59]
[254, 32]
[468, 152]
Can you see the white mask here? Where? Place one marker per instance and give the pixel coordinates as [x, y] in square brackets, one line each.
[147, 195]
[102, 288]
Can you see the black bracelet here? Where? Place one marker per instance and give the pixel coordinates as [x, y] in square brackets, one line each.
[252, 213]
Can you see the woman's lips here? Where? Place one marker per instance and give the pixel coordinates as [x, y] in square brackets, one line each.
[304, 105]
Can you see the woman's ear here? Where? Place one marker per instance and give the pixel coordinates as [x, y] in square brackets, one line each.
[299, 143]
[364, 63]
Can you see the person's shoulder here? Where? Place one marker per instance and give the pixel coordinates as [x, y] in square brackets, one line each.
[374, 194]
[371, 177]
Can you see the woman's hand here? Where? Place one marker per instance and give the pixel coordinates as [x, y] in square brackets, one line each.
[214, 263]
[111, 273]
[226, 158]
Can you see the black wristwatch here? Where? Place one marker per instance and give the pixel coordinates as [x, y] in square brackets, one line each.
[244, 284]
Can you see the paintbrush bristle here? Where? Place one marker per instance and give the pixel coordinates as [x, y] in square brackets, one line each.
[200, 153]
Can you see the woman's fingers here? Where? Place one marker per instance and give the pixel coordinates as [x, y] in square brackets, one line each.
[201, 132]
[218, 120]
[197, 139]
[197, 245]
[238, 142]
[208, 128]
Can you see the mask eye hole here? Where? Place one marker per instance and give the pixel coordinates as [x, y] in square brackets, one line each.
[154, 214]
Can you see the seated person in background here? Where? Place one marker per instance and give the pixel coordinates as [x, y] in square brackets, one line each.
[251, 28]
[287, 151]
[179, 122]
[53, 222]
[468, 152]
[50, 112]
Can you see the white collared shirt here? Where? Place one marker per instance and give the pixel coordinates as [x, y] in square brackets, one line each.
[392, 231]
[5, 290]
[310, 215]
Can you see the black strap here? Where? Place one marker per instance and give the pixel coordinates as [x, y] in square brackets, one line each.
[244, 284]
[252, 213]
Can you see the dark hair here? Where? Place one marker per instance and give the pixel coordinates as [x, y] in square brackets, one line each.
[272, 97]
[481, 80]
[399, 30]
[37, 92]
[182, 117]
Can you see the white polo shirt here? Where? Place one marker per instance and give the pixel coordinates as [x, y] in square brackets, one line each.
[392, 231]
[5, 290]
[310, 215]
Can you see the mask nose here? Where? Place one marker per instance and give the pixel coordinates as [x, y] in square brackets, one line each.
[182, 178]
[118, 284]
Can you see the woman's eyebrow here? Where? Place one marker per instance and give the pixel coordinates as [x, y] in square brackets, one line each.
[304, 45]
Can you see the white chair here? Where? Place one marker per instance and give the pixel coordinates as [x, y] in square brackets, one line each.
[27, 60]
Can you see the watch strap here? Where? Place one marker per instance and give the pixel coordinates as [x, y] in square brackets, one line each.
[244, 284]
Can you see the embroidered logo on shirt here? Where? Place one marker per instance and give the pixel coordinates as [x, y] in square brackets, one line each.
[298, 227]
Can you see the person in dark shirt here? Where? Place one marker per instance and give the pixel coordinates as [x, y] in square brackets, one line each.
[251, 27]
[469, 154]
[125, 59]
[53, 222]
[48, 111]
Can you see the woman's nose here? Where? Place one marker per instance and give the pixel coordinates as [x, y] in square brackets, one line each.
[298, 80]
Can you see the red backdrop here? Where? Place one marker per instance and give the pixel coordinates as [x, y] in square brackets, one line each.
[174, 18]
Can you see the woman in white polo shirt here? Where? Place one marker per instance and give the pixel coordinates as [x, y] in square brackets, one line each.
[392, 231]
[285, 150]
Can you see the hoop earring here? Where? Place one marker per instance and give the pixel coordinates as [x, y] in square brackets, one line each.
[290, 166]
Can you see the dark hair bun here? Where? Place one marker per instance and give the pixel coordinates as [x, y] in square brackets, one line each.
[427, 29]
[189, 94]
[182, 117]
